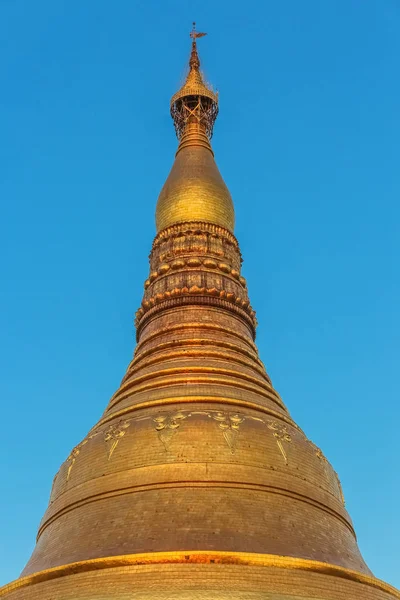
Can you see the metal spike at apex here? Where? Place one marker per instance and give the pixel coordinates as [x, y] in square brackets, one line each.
[196, 34]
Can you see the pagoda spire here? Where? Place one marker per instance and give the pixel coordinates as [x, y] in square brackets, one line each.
[194, 189]
[194, 62]
[194, 102]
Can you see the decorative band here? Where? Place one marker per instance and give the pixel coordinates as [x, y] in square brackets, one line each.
[144, 362]
[209, 484]
[195, 375]
[202, 296]
[200, 557]
[202, 326]
[195, 227]
[196, 400]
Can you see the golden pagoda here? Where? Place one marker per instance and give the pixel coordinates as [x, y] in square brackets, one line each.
[196, 483]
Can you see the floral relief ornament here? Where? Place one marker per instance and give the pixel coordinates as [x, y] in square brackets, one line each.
[166, 426]
[321, 456]
[73, 456]
[114, 434]
[281, 435]
[229, 423]
[75, 453]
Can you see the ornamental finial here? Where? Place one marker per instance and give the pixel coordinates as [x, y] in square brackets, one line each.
[195, 101]
[194, 62]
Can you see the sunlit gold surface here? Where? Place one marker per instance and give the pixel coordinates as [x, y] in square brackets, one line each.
[200, 575]
[196, 483]
[194, 84]
[194, 190]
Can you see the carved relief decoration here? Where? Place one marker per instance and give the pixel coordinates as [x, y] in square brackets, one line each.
[319, 454]
[113, 434]
[222, 297]
[229, 423]
[76, 451]
[281, 435]
[183, 263]
[73, 456]
[195, 263]
[166, 426]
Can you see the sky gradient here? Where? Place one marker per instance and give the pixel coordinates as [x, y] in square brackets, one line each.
[308, 143]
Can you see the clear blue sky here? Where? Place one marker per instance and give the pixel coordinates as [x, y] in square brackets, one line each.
[308, 143]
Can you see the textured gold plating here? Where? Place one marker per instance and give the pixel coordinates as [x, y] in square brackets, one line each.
[195, 189]
[195, 260]
[211, 558]
[167, 425]
[113, 434]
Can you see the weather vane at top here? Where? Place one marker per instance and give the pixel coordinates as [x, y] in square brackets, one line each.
[196, 34]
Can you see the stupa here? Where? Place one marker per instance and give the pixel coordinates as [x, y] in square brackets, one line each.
[196, 483]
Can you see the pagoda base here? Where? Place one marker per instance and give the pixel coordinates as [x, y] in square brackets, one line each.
[198, 576]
